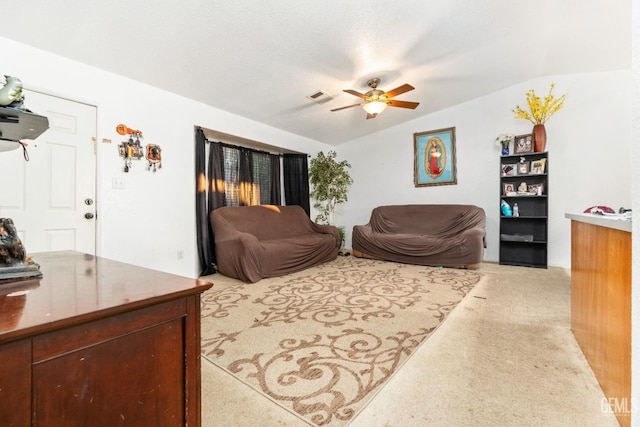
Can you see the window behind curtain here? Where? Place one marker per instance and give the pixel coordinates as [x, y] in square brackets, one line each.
[231, 175]
[262, 179]
[245, 188]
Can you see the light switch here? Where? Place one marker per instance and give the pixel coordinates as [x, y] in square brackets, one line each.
[117, 183]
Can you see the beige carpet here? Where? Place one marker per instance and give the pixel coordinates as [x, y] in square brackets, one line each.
[504, 357]
[322, 342]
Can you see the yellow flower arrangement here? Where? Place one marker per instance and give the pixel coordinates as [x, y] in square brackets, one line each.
[539, 111]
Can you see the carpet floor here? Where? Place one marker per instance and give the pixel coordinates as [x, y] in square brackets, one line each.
[365, 343]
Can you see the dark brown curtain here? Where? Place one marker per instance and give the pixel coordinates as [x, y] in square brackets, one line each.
[215, 171]
[296, 180]
[204, 236]
[247, 193]
[276, 193]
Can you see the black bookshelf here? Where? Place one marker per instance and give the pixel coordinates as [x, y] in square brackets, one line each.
[524, 181]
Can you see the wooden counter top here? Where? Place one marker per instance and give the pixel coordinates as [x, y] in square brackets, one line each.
[74, 286]
[601, 220]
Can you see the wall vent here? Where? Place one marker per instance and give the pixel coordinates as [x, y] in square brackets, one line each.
[320, 97]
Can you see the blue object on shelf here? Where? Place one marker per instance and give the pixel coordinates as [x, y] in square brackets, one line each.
[505, 208]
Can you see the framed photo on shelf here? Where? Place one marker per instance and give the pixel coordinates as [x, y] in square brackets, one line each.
[509, 169]
[508, 189]
[523, 168]
[538, 166]
[535, 189]
[434, 157]
[523, 144]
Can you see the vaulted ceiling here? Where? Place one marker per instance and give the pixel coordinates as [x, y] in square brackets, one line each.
[261, 59]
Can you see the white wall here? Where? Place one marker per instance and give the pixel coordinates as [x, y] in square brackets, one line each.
[154, 216]
[589, 144]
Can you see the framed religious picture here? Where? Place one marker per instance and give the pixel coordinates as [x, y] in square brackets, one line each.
[523, 144]
[434, 157]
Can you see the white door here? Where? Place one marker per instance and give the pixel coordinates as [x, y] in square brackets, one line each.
[51, 197]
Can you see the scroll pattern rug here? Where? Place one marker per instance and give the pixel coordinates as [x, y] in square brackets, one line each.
[323, 341]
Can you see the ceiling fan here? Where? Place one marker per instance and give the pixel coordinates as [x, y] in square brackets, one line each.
[377, 100]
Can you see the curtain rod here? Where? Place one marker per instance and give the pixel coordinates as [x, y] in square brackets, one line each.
[226, 144]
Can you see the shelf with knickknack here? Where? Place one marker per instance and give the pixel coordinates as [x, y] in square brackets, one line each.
[524, 184]
[524, 195]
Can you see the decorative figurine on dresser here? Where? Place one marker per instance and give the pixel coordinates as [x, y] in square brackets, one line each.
[14, 263]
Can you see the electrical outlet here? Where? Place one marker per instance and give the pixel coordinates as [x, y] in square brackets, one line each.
[179, 255]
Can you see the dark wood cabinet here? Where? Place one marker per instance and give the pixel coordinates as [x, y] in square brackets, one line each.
[524, 182]
[98, 342]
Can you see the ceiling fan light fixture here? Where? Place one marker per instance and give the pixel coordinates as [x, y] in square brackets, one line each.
[376, 100]
[374, 107]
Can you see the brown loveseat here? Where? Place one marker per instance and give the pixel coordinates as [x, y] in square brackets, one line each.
[442, 235]
[254, 242]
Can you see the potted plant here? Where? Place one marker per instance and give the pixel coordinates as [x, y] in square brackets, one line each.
[330, 180]
[540, 110]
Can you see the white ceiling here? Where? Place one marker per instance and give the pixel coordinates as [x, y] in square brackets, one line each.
[260, 59]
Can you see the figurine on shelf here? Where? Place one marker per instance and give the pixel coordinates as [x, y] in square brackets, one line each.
[522, 188]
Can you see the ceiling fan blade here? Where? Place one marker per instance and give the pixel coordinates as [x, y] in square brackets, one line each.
[397, 91]
[348, 106]
[371, 116]
[353, 92]
[402, 104]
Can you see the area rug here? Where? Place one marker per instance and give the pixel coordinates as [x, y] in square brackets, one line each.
[322, 342]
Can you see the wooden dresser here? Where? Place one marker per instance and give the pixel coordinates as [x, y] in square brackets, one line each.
[96, 342]
[601, 305]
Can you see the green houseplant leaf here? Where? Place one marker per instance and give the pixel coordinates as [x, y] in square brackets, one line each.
[330, 181]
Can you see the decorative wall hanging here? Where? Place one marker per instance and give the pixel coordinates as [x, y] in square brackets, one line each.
[154, 157]
[434, 160]
[131, 149]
